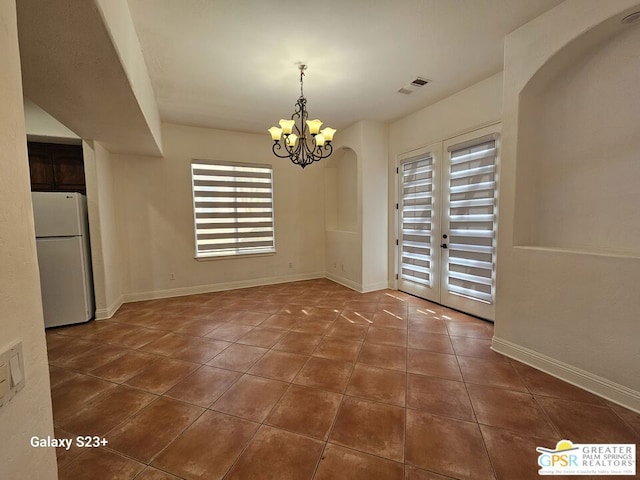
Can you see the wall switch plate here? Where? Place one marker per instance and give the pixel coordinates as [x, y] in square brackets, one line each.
[5, 379]
[12, 377]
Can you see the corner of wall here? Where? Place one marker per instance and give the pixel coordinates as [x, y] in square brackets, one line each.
[109, 311]
[29, 412]
[117, 18]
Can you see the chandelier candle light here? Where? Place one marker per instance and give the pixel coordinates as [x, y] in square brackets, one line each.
[308, 144]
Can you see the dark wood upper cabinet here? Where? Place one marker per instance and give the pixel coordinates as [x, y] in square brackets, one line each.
[41, 171]
[56, 167]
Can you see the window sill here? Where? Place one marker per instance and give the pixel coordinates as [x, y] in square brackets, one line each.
[228, 257]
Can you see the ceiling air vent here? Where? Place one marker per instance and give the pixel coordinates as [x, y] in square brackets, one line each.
[419, 82]
[414, 85]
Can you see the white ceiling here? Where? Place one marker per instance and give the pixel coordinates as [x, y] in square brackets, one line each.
[72, 70]
[232, 64]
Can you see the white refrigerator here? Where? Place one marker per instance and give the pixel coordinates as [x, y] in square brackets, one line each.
[62, 239]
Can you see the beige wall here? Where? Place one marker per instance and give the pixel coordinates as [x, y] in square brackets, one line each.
[113, 251]
[343, 249]
[560, 308]
[95, 228]
[117, 18]
[154, 214]
[341, 193]
[342, 218]
[573, 149]
[358, 258]
[467, 110]
[107, 254]
[471, 108]
[374, 206]
[43, 127]
[29, 412]
[343, 253]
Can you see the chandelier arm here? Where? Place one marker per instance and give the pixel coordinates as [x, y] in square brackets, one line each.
[276, 146]
[297, 111]
[328, 148]
[299, 132]
[300, 147]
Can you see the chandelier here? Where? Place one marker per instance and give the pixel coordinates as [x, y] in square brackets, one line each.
[304, 142]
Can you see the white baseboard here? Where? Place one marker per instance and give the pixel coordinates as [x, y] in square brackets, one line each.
[344, 281]
[358, 287]
[595, 384]
[372, 287]
[218, 287]
[104, 313]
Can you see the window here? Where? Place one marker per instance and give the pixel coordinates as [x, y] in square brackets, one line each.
[233, 208]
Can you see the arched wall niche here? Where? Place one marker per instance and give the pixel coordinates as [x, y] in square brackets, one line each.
[341, 191]
[343, 239]
[578, 148]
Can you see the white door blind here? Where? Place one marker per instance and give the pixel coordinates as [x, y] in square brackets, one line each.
[416, 220]
[472, 220]
[233, 208]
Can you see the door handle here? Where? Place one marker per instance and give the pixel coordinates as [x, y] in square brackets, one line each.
[444, 245]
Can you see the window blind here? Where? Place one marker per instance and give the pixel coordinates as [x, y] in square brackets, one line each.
[472, 219]
[416, 213]
[233, 208]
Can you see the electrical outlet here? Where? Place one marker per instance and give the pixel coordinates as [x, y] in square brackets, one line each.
[290, 264]
[342, 266]
[172, 276]
[335, 265]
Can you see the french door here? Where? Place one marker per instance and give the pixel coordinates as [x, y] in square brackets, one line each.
[419, 223]
[447, 216]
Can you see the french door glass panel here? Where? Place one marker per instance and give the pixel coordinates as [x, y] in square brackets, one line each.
[419, 222]
[469, 221]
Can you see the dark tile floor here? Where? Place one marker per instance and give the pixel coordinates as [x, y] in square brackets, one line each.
[308, 380]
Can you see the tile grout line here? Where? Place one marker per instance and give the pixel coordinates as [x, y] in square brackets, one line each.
[228, 303]
[473, 409]
[342, 397]
[406, 400]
